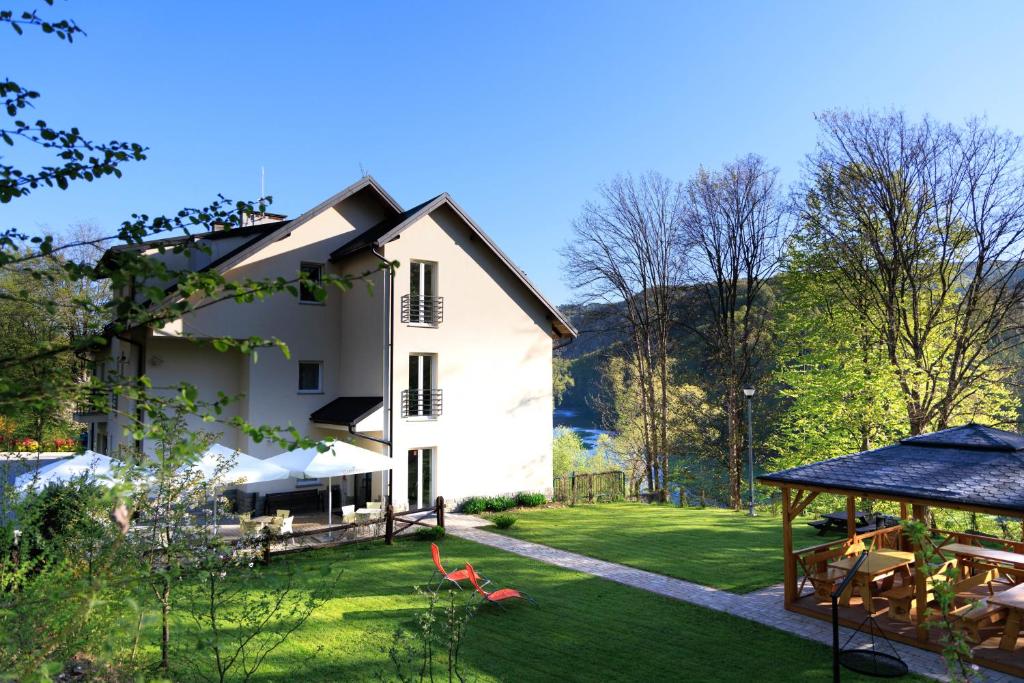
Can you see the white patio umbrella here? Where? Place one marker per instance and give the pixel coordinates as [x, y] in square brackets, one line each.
[97, 467]
[244, 467]
[338, 460]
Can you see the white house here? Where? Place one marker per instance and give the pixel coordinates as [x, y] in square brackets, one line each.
[445, 365]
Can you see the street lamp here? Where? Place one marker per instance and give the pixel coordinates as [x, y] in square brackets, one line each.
[748, 391]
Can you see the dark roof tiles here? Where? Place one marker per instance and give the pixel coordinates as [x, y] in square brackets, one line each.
[969, 465]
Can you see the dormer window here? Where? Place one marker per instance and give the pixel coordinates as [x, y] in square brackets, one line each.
[313, 272]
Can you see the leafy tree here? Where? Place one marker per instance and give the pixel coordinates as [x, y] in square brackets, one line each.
[567, 451]
[920, 225]
[561, 377]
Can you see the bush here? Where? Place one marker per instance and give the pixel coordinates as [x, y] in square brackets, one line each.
[530, 500]
[474, 506]
[430, 533]
[504, 521]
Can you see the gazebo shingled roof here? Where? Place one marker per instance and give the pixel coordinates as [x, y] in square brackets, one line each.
[968, 466]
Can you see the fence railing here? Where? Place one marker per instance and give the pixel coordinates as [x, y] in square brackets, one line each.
[384, 527]
[421, 403]
[591, 487]
[422, 310]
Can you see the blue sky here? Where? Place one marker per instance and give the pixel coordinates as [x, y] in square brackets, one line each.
[518, 109]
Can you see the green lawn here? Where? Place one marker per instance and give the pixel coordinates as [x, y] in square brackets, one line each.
[585, 629]
[713, 547]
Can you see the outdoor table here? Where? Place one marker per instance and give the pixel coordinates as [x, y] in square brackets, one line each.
[837, 520]
[365, 514]
[1013, 599]
[875, 565]
[978, 552]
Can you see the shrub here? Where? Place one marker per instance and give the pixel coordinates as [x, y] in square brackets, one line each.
[530, 500]
[474, 506]
[504, 521]
[430, 533]
[500, 503]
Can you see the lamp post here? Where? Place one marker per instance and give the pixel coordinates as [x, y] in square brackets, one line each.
[748, 391]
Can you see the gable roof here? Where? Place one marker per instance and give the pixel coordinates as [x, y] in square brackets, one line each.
[391, 229]
[366, 182]
[969, 466]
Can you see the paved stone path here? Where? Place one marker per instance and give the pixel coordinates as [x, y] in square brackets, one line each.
[764, 606]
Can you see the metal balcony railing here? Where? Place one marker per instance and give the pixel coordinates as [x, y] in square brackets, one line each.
[421, 403]
[422, 310]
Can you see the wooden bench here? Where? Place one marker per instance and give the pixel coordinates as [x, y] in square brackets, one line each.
[903, 599]
[823, 578]
[971, 618]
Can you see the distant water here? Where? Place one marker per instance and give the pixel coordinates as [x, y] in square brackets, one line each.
[587, 431]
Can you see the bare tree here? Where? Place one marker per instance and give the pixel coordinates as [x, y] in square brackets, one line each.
[922, 226]
[627, 249]
[735, 221]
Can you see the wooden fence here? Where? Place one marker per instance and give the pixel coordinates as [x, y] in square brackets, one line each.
[588, 487]
[387, 527]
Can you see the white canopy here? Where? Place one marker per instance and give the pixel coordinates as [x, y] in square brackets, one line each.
[96, 467]
[245, 467]
[339, 459]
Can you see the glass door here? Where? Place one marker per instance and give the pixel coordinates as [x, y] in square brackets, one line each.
[420, 478]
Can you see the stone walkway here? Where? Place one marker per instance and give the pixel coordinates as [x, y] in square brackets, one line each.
[764, 606]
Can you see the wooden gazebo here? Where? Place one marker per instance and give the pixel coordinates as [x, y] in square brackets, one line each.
[972, 468]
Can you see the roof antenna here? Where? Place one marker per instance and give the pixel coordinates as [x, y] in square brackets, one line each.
[362, 171]
[263, 183]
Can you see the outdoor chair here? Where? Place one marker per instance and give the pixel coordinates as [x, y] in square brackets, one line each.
[498, 596]
[249, 527]
[281, 514]
[348, 514]
[375, 505]
[244, 516]
[281, 526]
[453, 577]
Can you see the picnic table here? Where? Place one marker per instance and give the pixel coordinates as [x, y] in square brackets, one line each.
[1012, 599]
[977, 552]
[880, 564]
[864, 522]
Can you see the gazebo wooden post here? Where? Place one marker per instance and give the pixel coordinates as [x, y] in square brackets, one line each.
[789, 570]
[851, 517]
[920, 581]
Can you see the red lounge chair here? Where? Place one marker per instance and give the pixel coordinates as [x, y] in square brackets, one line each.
[499, 595]
[454, 577]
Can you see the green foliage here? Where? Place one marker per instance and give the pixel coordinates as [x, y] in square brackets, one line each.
[474, 505]
[561, 377]
[504, 521]
[567, 451]
[432, 651]
[430, 533]
[956, 650]
[530, 500]
[500, 503]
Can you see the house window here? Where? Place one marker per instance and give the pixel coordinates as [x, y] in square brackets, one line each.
[422, 398]
[314, 273]
[311, 376]
[422, 306]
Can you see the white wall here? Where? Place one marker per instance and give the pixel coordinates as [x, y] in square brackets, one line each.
[494, 368]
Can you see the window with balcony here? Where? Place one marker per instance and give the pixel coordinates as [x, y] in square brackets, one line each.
[422, 306]
[311, 377]
[422, 398]
[314, 274]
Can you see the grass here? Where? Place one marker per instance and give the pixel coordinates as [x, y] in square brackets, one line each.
[584, 628]
[713, 547]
